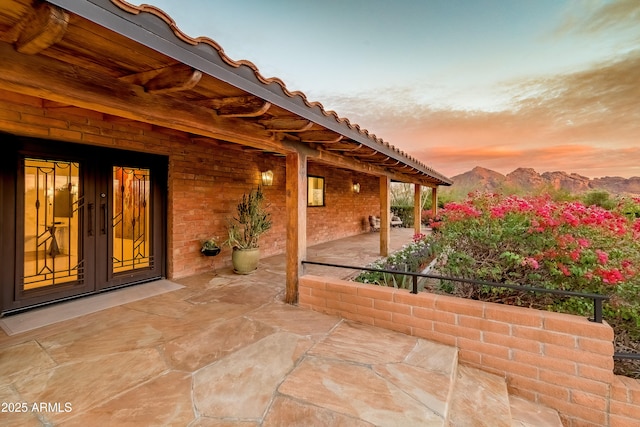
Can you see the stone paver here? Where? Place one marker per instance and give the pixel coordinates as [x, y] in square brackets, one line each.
[88, 382]
[194, 351]
[23, 360]
[166, 400]
[289, 412]
[357, 391]
[242, 386]
[225, 351]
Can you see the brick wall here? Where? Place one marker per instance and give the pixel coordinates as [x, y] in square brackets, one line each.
[345, 213]
[206, 179]
[559, 360]
[625, 402]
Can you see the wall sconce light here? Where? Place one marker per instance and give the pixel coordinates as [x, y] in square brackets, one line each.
[267, 178]
[356, 187]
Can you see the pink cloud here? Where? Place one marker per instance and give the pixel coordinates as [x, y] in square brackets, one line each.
[586, 122]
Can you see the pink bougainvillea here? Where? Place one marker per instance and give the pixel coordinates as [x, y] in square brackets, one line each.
[538, 242]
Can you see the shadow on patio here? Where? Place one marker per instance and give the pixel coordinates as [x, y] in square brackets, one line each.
[225, 350]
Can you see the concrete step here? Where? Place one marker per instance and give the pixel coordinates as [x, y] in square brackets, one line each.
[525, 413]
[479, 399]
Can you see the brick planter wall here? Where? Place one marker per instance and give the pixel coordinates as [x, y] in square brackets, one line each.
[559, 360]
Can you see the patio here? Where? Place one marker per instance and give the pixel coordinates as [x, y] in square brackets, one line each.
[225, 350]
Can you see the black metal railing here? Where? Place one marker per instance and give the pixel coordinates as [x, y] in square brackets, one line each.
[631, 356]
[596, 298]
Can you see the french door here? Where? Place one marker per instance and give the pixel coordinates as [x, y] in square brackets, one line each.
[85, 220]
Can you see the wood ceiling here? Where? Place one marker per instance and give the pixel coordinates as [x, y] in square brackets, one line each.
[52, 53]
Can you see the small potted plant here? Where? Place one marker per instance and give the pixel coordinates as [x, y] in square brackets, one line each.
[251, 221]
[210, 247]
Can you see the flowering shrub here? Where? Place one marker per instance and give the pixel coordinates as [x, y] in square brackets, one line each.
[412, 257]
[537, 242]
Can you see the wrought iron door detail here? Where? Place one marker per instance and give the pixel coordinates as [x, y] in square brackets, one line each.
[131, 222]
[51, 223]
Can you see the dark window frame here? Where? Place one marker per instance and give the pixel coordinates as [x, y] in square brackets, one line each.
[310, 202]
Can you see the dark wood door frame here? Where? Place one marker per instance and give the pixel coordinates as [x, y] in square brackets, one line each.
[95, 174]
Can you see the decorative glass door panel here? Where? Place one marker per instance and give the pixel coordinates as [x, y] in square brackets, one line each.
[131, 225]
[76, 221]
[51, 223]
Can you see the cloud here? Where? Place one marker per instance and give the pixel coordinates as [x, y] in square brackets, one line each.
[584, 160]
[598, 17]
[586, 122]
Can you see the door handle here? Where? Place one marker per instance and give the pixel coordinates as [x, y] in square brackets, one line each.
[90, 230]
[103, 225]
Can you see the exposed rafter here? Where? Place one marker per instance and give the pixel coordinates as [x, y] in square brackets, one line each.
[39, 30]
[284, 126]
[239, 106]
[396, 162]
[345, 149]
[317, 140]
[358, 155]
[174, 78]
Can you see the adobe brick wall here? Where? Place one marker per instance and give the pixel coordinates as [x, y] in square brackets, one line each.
[625, 402]
[559, 360]
[206, 179]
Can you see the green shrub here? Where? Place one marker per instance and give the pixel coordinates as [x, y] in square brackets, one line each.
[411, 258]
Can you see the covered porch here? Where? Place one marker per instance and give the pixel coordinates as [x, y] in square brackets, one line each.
[101, 86]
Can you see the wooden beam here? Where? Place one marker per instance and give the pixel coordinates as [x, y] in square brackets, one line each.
[296, 204]
[49, 79]
[434, 202]
[417, 209]
[290, 129]
[238, 106]
[385, 217]
[41, 29]
[350, 162]
[174, 79]
[344, 149]
[317, 140]
[358, 155]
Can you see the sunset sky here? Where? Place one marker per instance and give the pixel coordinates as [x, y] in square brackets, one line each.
[548, 84]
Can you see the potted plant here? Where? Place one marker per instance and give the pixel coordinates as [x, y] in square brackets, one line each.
[210, 247]
[251, 221]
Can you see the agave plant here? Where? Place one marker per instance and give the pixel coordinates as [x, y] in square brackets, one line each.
[251, 221]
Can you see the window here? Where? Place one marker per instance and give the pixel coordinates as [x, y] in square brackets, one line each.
[315, 191]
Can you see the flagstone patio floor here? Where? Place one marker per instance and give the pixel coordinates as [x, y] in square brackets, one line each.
[224, 351]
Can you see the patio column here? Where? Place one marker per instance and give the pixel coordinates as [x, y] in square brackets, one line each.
[417, 209]
[385, 218]
[434, 202]
[296, 203]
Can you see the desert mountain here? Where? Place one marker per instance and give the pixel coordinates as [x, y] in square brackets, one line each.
[527, 180]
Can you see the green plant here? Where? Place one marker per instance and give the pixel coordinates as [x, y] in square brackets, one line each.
[411, 258]
[210, 244]
[251, 221]
[599, 198]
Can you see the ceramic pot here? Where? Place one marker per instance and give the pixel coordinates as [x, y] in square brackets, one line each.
[245, 261]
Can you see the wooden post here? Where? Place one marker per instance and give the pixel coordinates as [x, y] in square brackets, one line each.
[434, 202]
[296, 203]
[417, 209]
[385, 218]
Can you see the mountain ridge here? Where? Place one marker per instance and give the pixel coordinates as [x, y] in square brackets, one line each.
[528, 180]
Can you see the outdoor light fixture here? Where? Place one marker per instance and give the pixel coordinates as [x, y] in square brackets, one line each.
[267, 178]
[356, 187]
